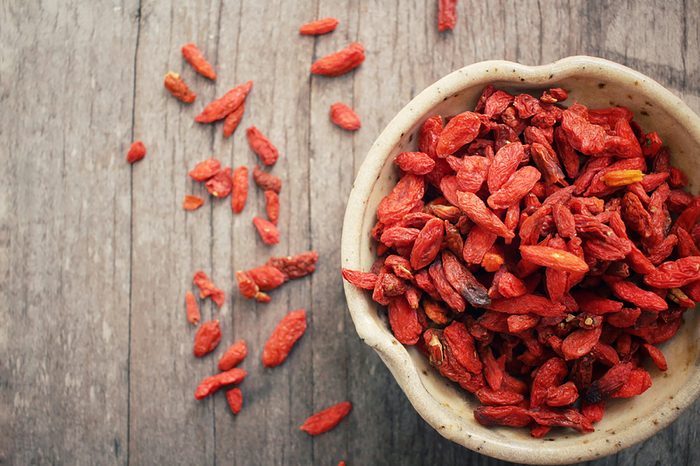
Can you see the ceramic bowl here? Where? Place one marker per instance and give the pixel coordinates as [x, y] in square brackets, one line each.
[595, 83]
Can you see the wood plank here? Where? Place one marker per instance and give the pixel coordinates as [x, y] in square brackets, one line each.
[167, 426]
[66, 83]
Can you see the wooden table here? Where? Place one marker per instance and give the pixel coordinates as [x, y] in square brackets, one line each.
[96, 255]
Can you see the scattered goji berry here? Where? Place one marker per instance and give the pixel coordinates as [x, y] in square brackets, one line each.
[327, 419]
[207, 338]
[239, 189]
[192, 202]
[205, 169]
[261, 145]
[266, 277]
[224, 105]
[447, 15]
[196, 59]
[234, 397]
[193, 314]
[220, 185]
[234, 355]
[283, 337]
[266, 181]
[178, 88]
[297, 266]
[318, 27]
[210, 385]
[340, 62]
[272, 206]
[345, 117]
[137, 151]
[208, 289]
[267, 231]
[232, 120]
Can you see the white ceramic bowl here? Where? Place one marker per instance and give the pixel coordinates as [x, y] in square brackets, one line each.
[593, 82]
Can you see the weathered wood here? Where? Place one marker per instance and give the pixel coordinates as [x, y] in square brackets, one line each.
[66, 85]
[95, 256]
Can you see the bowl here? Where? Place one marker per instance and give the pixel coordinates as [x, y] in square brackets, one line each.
[596, 83]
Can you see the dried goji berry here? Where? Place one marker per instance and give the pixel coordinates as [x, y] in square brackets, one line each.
[563, 395]
[583, 136]
[404, 321]
[193, 314]
[318, 27]
[205, 170]
[240, 189]
[511, 416]
[210, 385]
[207, 338]
[327, 419]
[564, 418]
[234, 397]
[283, 337]
[272, 206]
[196, 59]
[611, 381]
[463, 281]
[478, 213]
[234, 355]
[365, 280]
[192, 202]
[249, 289]
[345, 117]
[340, 62]
[207, 288]
[637, 383]
[262, 146]
[407, 192]
[220, 185]
[580, 343]
[220, 108]
[515, 188]
[448, 294]
[427, 244]
[528, 303]
[417, 163]
[178, 88]
[555, 258]
[267, 231]
[674, 274]
[266, 181]
[435, 312]
[233, 119]
[137, 151]
[447, 15]
[429, 135]
[266, 277]
[462, 345]
[297, 266]
[460, 130]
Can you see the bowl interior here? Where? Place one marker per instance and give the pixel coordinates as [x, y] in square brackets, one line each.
[442, 403]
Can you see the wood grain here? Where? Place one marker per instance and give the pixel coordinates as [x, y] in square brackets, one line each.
[96, 256]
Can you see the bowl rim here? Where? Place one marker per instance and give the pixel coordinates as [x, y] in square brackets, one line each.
[396, 356]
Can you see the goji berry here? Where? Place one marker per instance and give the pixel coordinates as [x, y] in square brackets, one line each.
[207, 288]
[463, 281]
[239, 189]
[223, 106]
[266, 277]
[637, 383]
[528, 303]
[205, 169]
[478, 213]
[267, 231]
[478, 242]
[233, 119]
[515, 188]
[674, 274]
[511, 416]
[427, 243]
[462, 345]
[345, 117]
[417, 163]
[460, 130]
[210, 385]
[318, 27]
[365, 280]
[196, 59]
[234, 355]
[234, 397]
[137, 151]
[192, 307]
[283, 337]
[429, 135]
[404, 321]
[448, 294]
[266, 181]
[192, 202]
[178, 88]
[220, 185]
[340, 62]
[207, 338]
[249, 289]
[272, 206]
[261, 145]
[563, 418]
[327, 419]
[297, 266]
[447, 15]
[554, 258]
[403, 197]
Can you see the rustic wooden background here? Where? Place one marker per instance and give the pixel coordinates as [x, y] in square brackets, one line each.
[96, 255]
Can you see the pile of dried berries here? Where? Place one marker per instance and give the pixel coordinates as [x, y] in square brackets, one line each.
[537, 254]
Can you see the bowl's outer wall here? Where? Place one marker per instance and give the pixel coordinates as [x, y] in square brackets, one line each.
[595, 83]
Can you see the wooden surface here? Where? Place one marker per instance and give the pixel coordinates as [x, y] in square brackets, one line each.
[95, 255]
